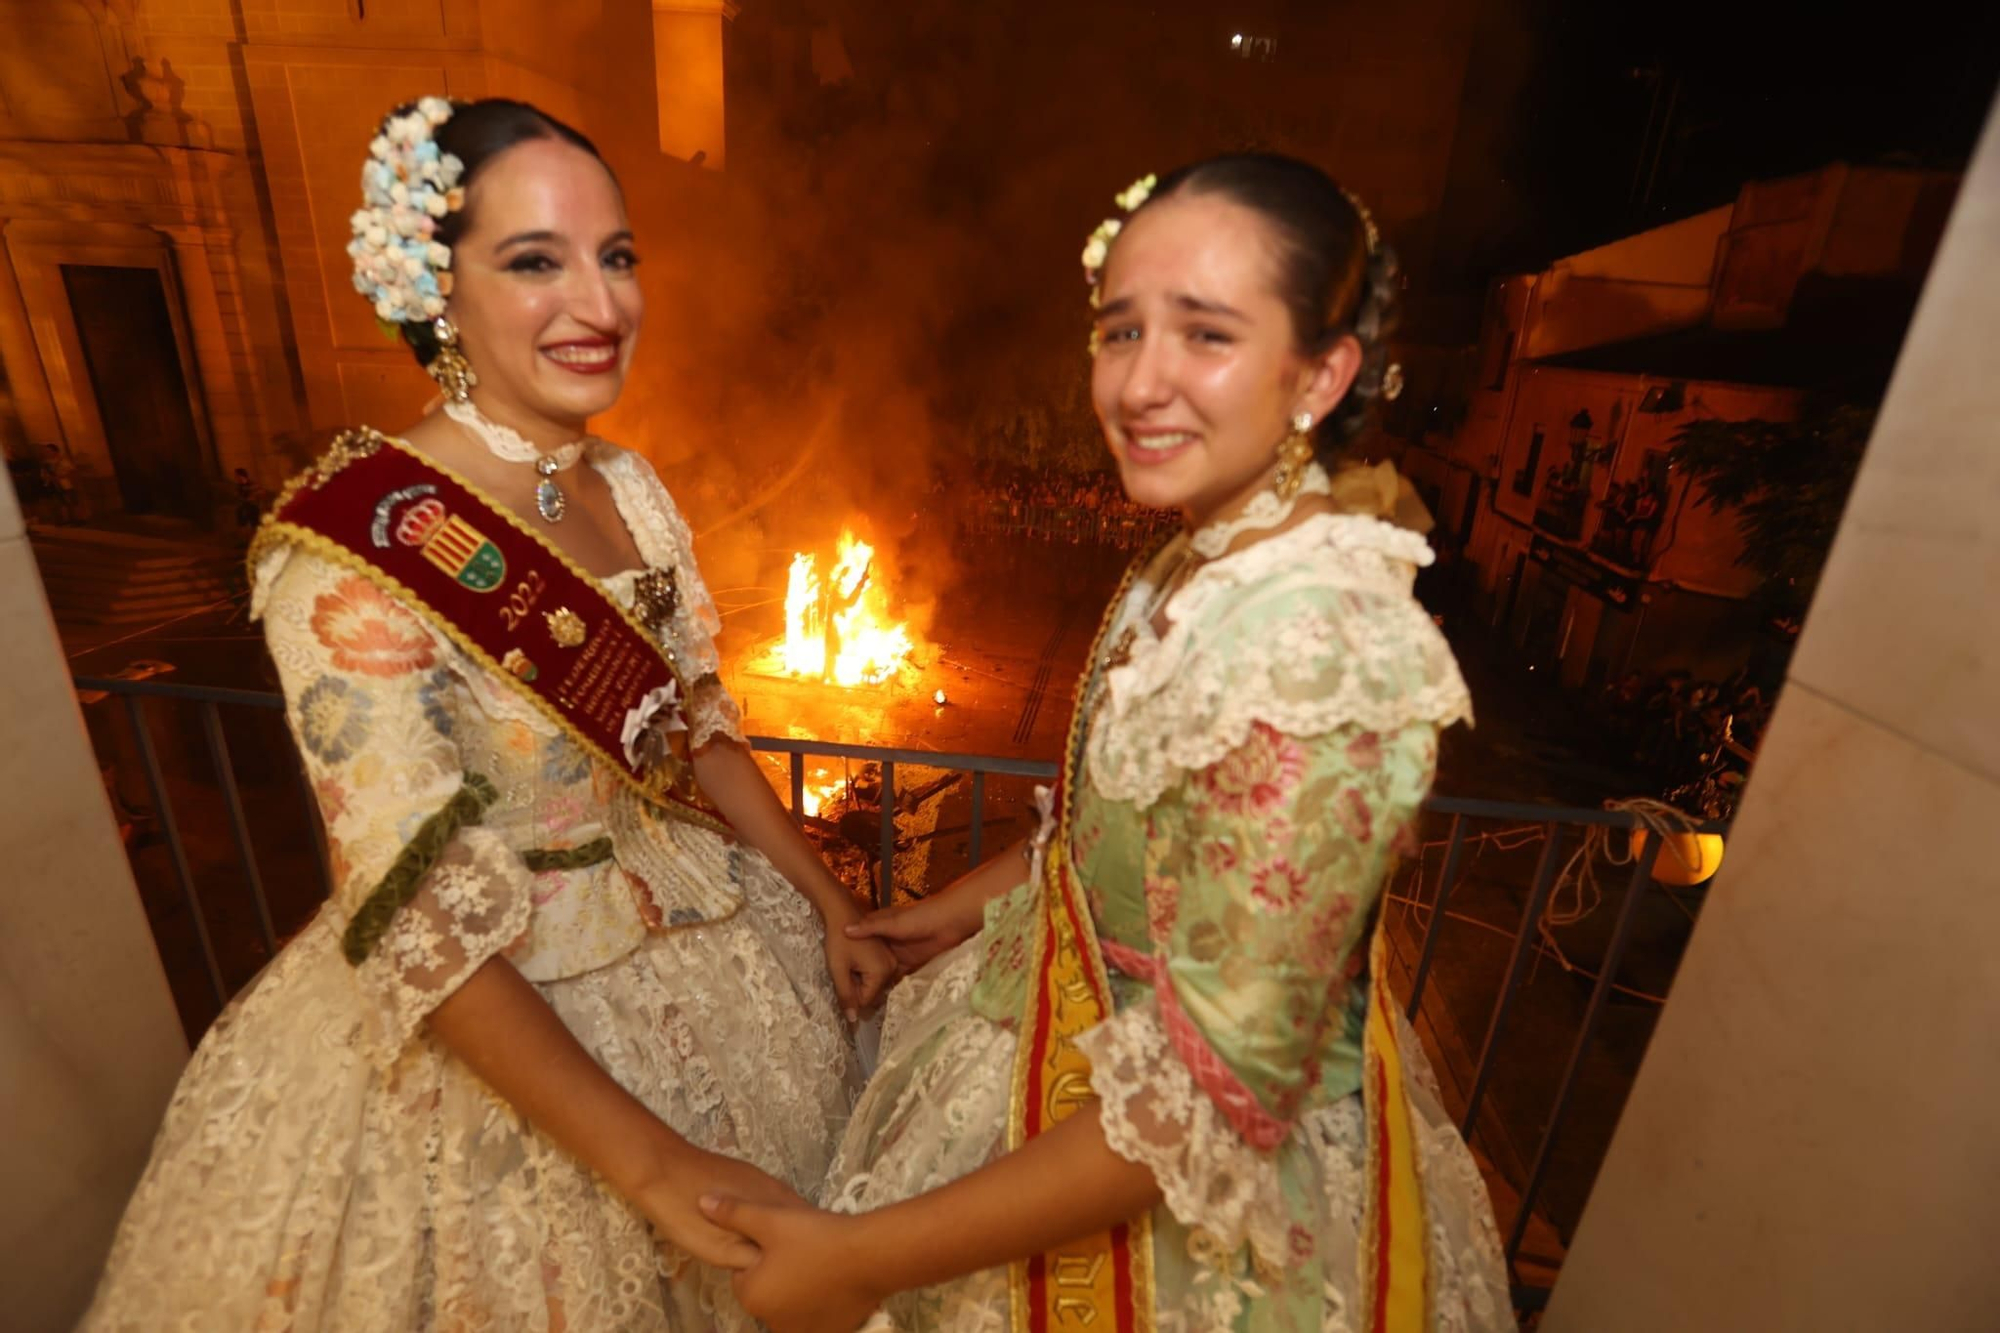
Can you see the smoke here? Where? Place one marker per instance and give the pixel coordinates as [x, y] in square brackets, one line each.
[882, 287]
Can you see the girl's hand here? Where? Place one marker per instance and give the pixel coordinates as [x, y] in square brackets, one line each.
[862, 969]
[670, 1204]
[920, 932]
[809, 1275]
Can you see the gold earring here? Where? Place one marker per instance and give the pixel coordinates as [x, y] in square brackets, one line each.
[448, 365]
[1295, 455]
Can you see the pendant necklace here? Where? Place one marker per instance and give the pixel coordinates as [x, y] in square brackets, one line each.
[507, 444]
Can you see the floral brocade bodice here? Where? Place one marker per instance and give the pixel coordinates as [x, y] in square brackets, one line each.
[338, 1154]
[1244, 783]
[462, 822]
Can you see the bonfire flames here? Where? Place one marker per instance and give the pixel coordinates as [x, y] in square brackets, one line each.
[841, 630]
[837, 626]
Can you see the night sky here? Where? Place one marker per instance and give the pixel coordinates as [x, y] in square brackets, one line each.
[1733, 92]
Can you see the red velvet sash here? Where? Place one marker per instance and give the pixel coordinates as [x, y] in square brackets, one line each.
[477, 573]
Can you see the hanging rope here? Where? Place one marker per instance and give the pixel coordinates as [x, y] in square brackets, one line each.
[1577, 892]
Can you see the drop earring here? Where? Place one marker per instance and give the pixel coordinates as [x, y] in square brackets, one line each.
[448, 365]
[1295, 455]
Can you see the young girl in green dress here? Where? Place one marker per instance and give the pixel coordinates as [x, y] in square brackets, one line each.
[1147, 1076]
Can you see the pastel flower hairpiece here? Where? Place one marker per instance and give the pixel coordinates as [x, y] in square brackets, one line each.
[1392, 374]
[407, 185]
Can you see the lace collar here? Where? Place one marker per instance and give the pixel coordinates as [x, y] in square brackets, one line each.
[509, 445]
[1273, 633]
[1344, 546]
[1265, 511]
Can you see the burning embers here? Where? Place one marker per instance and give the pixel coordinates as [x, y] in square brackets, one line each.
[822, 787]
[844, 810]
[837, 625]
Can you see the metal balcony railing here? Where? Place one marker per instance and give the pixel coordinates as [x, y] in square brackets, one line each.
[1420, 904]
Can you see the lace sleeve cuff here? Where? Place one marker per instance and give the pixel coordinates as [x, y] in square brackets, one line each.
[1215, 1183]
[712, 712]
[470, 905]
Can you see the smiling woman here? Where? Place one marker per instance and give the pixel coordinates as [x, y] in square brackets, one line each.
[1199, 368]
[476, 136]
[576, 968]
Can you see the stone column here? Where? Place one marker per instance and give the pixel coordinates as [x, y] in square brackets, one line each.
[89, 1042]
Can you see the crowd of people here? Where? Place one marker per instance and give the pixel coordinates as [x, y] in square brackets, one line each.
[1081, 510]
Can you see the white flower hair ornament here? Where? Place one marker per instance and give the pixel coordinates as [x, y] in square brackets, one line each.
[407, 185]
[1098, 248]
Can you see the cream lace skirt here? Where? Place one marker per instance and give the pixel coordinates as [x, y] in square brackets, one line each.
[293, 1187]
[936, 1109]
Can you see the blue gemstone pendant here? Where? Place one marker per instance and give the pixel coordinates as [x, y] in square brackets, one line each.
[550, 502]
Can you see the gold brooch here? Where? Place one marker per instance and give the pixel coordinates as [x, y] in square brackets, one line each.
[566, 627]
[655, 598]
[346, 447]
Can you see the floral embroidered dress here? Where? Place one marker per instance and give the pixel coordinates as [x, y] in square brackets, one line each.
[325, 1163]
[1246, 777]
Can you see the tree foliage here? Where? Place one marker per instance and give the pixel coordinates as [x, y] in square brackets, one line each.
[1787, 482]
